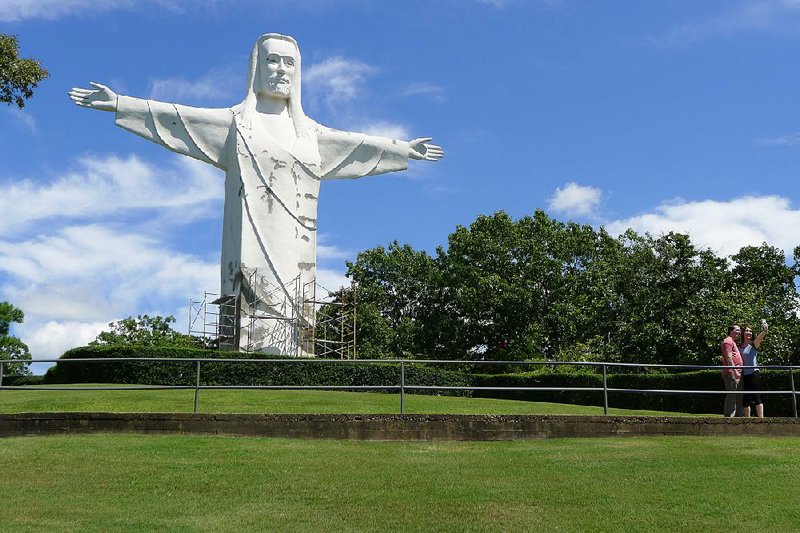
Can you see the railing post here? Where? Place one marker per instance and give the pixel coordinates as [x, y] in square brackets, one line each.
[196, 386]
[605, 391]
[402, 388]
[794, 393]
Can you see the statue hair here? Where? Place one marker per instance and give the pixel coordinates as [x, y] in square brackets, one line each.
[303, 126]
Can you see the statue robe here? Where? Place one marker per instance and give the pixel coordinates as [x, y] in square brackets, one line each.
[271, 194]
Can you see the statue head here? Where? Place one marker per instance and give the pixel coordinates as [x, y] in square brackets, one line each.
[275, 71]
[277, 62]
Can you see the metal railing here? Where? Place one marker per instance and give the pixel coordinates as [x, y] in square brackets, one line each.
[402, 387]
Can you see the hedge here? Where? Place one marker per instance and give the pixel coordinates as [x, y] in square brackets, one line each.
[14, 380]
[314, 372]
[388, 374]
[775, 405]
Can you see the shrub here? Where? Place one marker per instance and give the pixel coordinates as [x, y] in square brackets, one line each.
[18, 380]
[313, 372]
[775, 405]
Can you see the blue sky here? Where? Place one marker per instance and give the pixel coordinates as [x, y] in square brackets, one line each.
[660, 115]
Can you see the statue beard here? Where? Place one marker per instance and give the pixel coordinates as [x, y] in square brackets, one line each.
[280, 89]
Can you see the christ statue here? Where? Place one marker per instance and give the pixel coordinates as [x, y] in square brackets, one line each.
[274, 158]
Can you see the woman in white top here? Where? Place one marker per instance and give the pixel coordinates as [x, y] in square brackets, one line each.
[752, 382]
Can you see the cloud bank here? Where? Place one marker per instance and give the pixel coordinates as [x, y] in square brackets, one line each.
[92, 245]
[106, 186]
[722, 226]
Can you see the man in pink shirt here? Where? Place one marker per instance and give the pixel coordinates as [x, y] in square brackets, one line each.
[732, 377]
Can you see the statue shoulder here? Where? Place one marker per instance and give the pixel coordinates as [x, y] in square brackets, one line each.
[316, 128]
[326, 132]
[206, 115]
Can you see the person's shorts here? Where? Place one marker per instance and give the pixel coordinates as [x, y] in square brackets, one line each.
[752, 382]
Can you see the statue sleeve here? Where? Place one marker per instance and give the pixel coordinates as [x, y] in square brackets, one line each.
[354, 155]
[195, 132]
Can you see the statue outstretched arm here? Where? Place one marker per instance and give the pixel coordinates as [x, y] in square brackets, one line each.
[196, 132]
[355, 155]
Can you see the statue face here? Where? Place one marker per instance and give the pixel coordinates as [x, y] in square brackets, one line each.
[277, 59]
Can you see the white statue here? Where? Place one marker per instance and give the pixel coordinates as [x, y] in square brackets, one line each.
[274, 158]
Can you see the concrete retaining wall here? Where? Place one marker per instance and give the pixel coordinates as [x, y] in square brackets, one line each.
[390, 427]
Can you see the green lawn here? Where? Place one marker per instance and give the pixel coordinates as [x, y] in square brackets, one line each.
[136, 482]
[261, 401]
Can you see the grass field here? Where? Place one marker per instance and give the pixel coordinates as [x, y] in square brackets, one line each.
[260, 401]
[135, 482]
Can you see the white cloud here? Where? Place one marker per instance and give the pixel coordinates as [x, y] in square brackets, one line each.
[51, 339]
[336, 80]
[750, 16]
[723, 226]
[341, 85]
[331, 279]
[110, 185]
[384, 129]
[90, 246]
[214, 86]
[329, 251]
[76, 251]
[88, 272]
[574, 199]
[76, 278]
[792, 139]
[22, 117]
[328, 278]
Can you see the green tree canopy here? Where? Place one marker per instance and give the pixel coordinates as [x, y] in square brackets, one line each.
[396, 285]
[537, 287]
[144, 330]
[11, 347]
[18, 76]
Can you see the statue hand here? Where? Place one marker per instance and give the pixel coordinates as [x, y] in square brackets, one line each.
[420, 149]
[101, 97]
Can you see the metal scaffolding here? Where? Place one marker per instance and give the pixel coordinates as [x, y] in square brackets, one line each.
[332, 333]
[299, 319]
[205, 320]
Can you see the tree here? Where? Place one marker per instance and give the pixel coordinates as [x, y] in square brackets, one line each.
[144, 330]
[674, 300]
[497, 277]
[11, 347]
[530, 287]
[507, 289]
[393, 292]
[18, 76]
[763, 286]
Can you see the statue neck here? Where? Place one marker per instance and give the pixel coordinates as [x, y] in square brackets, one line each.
[270, 105]
[273, 115]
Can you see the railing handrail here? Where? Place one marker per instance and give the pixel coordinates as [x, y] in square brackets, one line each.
[401, 387]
